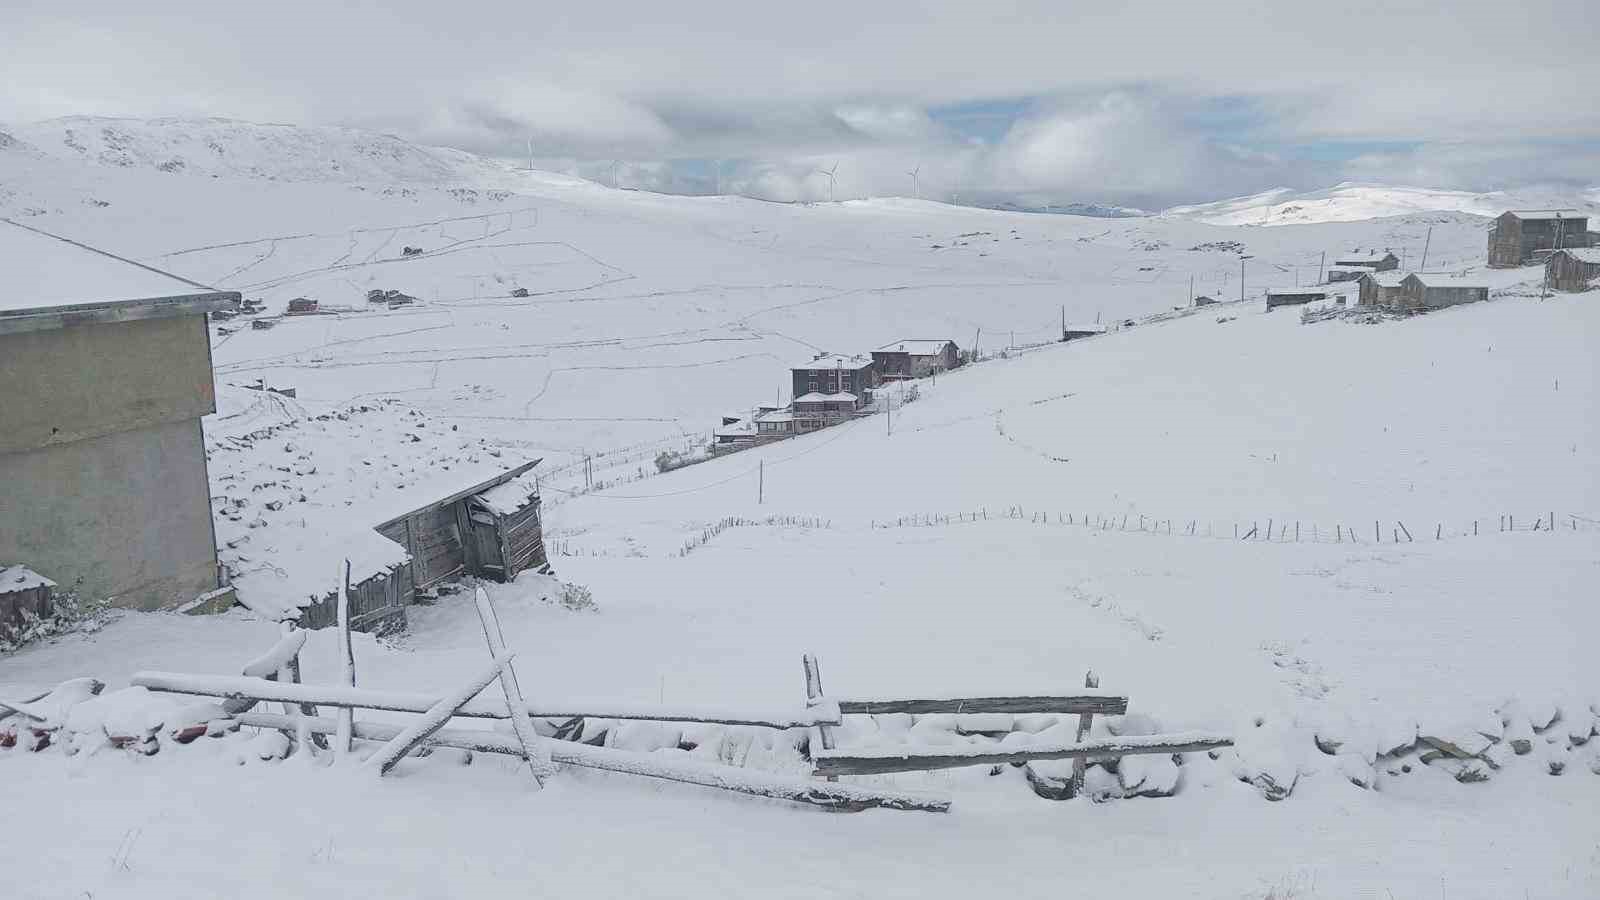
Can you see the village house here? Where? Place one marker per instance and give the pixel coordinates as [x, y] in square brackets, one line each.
[1380, 289]
[1371, 262]
[1074, 332]
[1424, 292]
[832, 373]
[106, 367]
[915, 359]
[1573, 270]
[818, 410]
[1518, 233]
[1276, 299]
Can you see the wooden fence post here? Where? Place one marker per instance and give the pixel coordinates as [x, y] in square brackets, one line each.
[1080, 766]
[534, 750]
[437, 716]
[347, 667]
[813, 697]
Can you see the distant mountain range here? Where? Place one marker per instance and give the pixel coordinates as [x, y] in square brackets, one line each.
[230, 147]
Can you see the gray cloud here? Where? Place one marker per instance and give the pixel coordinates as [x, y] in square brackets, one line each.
[1141, 103]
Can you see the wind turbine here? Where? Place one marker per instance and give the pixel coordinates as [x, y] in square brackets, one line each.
[829, 173]
[916, 183]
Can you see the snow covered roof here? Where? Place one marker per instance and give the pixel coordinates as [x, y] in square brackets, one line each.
[1583, 254]
[1547, 213]
[1386, 279]
[297, 487]
[740, 428]
[1362, 259]
[1441, 279]
[777, 415]
[1087, 328]
[48, 281]
[21, 578]
[835, 361]
[916, 347]
[816, 397]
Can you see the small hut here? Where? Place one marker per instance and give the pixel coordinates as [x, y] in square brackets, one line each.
[1380, 289]
[1573, 270]
[25, 595]
[1276, 299]
[1371, 262]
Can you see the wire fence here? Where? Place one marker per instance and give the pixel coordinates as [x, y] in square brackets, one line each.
[1269, 530]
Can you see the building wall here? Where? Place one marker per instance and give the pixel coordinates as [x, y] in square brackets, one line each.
[1567, 274]
[125, 515]
[84, 381]
[832, 381]
[1513, 240]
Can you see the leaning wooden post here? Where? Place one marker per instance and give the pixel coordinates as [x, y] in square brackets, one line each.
[533, 747]
[290, 673]
[813, 698]
[437, 716]
[347, 666]
[1080, 766]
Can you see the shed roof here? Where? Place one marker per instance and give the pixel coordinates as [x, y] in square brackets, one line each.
[49, 281]
[916, 347]
[776, 415]
[1547, 213]
[835, 361]
[1363, 259]
[1582, 254]
[1444, 279]
[1090, 328]
[1385, 279]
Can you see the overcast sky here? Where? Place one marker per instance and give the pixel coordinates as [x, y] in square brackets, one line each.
[1134, 103]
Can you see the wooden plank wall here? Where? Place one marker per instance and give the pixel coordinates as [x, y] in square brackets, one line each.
[16, 605]
[523, 537]
[376, 605]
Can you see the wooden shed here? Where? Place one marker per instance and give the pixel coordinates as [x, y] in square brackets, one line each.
[1276, 299]
[1424, 292]
[1573, 270]
[491, 529]
[1517, 233]
[1379, 289]
[25, 596]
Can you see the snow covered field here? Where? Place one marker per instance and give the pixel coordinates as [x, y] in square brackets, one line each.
[1070, 507]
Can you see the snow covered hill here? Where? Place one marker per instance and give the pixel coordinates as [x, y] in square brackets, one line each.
[1351, 202]
[231, 147]
[1318, 537]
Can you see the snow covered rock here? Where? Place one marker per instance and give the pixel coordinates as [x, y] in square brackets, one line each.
[1148, 776]
[1358, 771]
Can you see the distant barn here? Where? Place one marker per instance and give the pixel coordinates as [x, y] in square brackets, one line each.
[1372, 262]
[1423, 292]
[1573, 270]
[1276, 299]
[1518, 233]
[1380, 289]
[1074, 332]
[915, 359]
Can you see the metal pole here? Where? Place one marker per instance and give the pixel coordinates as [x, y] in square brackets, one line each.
[1423, 267]
[1241, 279]
[761, 481]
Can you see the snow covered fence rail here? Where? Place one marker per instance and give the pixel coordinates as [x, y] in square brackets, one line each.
[236, 687]
[831, 761]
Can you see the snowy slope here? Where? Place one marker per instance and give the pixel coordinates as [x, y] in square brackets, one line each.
[1352, 201]
[1066, 507]
[232, 147]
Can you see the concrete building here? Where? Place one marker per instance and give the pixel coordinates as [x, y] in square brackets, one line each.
[1573, 270]
[832, 373]
[1423, 292]
[106, 372]
[915, 359]
[1518, 233]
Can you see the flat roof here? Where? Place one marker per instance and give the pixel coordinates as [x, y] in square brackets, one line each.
[49, 281]
[1387, 279]
[816, 397]
[1548, 213]
[835, 361]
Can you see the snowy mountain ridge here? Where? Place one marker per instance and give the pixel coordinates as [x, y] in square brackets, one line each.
[1355, 201]
[230, 147]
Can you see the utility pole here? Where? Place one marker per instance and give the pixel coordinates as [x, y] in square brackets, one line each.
[1425, 245]
[1320, 265]
[1191, 293]
[761, 481]
[530, 154]
[1241, 276]
[888, 414]
[1064, 317]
